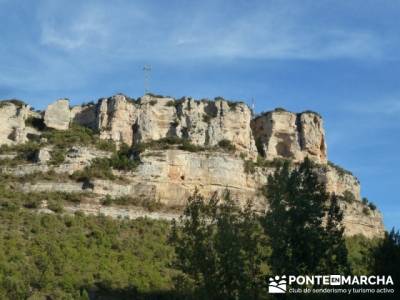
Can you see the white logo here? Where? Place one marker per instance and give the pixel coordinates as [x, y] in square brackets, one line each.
[277, 285]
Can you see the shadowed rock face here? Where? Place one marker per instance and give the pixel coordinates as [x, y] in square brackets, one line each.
[170, 176]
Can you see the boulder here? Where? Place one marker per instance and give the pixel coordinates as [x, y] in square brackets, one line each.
[43, 155]
[58, 115]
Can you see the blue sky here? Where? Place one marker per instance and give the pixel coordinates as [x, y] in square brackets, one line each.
[340, 58]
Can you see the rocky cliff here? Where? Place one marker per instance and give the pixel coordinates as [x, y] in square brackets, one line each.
[175, 147]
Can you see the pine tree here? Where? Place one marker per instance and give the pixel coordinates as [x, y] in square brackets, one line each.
[336, 252]
[386, 257]
[300, 243]
[219, 246]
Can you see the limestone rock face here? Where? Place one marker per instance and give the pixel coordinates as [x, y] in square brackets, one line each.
[203, 123]
[115, 119]
[282, 134]
[43, 155]
[85, 115]
[12, 120]
[339, 183]
[58, 115]
[312, 137]
[155, 119]
[206, 123]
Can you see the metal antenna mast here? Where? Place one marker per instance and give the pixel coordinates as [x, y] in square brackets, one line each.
[253, 106]
[146, 73]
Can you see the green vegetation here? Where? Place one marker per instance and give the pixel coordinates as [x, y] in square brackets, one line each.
[311, 112]
[69, 257]
[156, 96]
[102, 168]
[220, 251]
[60, 140]
[348, 197]
[16, 102]
[142, 201]
[182, 144]
[25, 153]
[227, 145]
[368, 203]
[341, 171]
[57, 156]
[250, 166]
[360, 256]
[372, 206]
[226, 252]
[233, 105]
[219, 248]
[13, 200]
[170, 103]
[206, 118]
[300, 242]
[153, 102]
[76, 135]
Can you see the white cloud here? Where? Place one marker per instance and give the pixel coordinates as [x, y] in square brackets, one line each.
[384, 106]
[261, 33]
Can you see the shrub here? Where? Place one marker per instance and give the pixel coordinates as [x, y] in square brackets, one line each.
[280, 109]
[64, 257]
[25, 152]
[365, 211]
[106, 145]
[164, 144]
[187, 146]
[372, 206]
[348, 196]
[249, 166]
[170, 103]
[102, 168]
[106, 201]
[365, 201]
[57, 156]
[226, 145]
[55, 205]
[99, 168]
[16, 102]
[233, 105]
[75, 135]
[153, 102]
[311, 112]
[149, 204]
[341, 171]
[206, 118]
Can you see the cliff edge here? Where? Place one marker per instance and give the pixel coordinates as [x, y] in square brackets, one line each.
[170, 147]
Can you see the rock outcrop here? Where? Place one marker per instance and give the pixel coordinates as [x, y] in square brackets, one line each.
[58, 115]
[203, 123]
[169, 176]
[282, 134]
[13, 114]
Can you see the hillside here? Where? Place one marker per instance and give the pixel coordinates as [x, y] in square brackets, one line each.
[128, 158]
